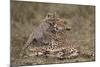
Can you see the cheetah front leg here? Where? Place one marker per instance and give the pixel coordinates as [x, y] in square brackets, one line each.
[26, 45]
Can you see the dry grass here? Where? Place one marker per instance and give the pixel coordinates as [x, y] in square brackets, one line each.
[25, 16]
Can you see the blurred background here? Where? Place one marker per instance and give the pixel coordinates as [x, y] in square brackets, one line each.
[26, 16]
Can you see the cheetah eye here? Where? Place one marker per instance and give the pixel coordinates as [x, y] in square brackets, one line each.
[48, 15]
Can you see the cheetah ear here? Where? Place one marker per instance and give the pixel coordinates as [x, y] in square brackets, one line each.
[49, 15]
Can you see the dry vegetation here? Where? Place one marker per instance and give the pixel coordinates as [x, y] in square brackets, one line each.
[26, 16]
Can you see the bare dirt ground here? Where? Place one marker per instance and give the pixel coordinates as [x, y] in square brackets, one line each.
[26, 16]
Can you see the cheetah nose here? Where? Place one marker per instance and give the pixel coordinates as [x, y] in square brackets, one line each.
[68, 28]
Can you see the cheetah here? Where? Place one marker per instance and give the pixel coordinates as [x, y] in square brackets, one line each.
[55, 51]
[50, 25]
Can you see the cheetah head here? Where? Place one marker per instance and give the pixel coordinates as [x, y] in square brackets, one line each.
[60, 25]
[57, 23]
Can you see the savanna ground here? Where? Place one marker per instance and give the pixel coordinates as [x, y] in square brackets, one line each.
[26, 16]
